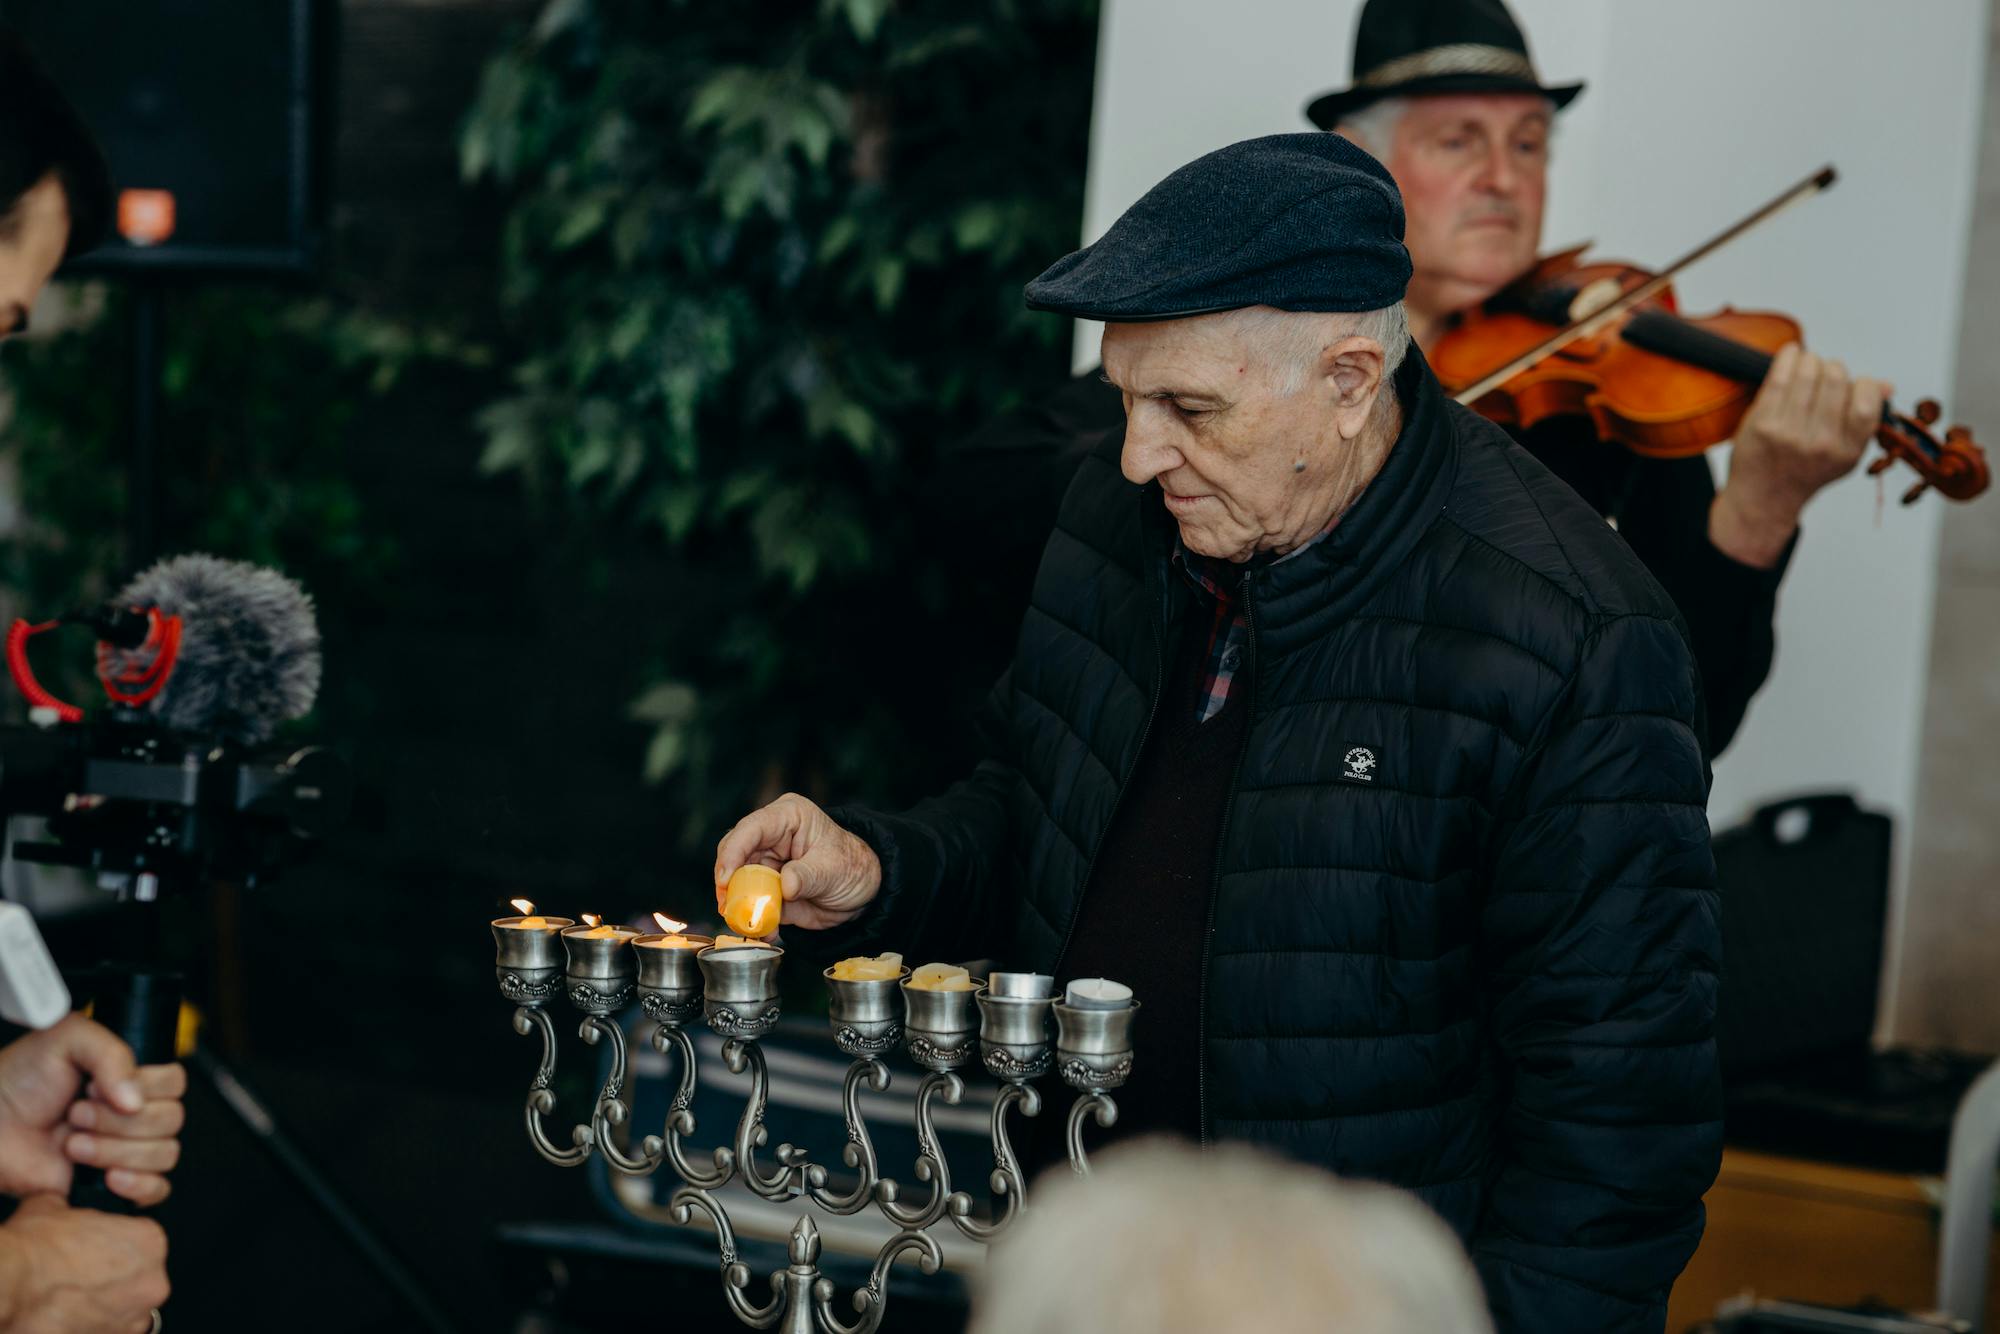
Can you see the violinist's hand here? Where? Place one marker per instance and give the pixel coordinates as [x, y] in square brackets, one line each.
[1808, 426]
[828, 874]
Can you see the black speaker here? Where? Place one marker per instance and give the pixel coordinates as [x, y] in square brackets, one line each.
[214, 116]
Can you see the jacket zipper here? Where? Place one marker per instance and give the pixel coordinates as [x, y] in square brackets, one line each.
[1145, 734]
[1249, 701]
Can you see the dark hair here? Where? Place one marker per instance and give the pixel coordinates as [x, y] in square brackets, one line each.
[40, 133]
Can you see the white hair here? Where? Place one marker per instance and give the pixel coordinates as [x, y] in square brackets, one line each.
[1289, 343]
[1374, 126]
[1163, 1239]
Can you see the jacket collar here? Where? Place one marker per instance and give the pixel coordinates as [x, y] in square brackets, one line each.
[1296, 601]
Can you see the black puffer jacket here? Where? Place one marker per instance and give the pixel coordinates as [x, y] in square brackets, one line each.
[1483, 965]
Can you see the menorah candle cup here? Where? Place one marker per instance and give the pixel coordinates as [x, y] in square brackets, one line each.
[600, 970]
[528, 960]
[1094, 1046]
[941, 1030]
[669, 978]
[1014, 1036]
[1021, 986]
[740, 988]
[865, 1016]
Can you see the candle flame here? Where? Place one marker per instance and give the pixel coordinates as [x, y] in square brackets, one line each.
[592, 919]
[523, 907]
[669, 925]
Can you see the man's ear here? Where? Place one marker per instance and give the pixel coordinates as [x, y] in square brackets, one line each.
[1352, 367]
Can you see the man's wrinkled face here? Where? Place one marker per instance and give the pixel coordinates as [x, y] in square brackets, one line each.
[1473, 169]
[1202, 416]
[33, 236]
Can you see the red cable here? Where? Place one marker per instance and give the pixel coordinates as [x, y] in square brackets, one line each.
[32, 690]
[163, 637]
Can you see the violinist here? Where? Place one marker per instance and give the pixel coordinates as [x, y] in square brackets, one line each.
[1444, 94]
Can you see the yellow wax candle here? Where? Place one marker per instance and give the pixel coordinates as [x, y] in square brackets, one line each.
[931, 976]
[528, 924]
[861, 968]
[673, 943]
[731, 942]
[754, 901]
[604, 932]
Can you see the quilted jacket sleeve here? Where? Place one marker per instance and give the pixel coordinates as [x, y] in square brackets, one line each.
[1600, 945]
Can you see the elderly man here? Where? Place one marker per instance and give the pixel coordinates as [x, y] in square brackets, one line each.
[1355, 743]
[1445, 95]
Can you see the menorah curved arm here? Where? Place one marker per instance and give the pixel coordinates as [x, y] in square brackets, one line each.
[931, 1164]
[680, 1116]
[741, 1054]
[735, 1274]
[1008, 1186]
[873, 1300]
[1106, 1112]
[542, 1097]
[611, 1111]
[860, 1151]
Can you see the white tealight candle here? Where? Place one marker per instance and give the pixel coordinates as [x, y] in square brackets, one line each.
[1097, 993]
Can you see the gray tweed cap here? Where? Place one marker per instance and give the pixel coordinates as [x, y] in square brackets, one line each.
[1297, 221]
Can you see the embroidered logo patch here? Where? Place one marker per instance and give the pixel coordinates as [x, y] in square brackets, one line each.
[1360, 765]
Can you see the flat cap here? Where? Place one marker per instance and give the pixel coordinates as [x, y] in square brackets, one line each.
[1296, 221]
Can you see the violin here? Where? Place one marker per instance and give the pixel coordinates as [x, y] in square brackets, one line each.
[1606, 341]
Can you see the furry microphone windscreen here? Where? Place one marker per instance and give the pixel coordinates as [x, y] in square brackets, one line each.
[249, 656]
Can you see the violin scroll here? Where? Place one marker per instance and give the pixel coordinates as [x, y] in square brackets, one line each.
[1955, 465]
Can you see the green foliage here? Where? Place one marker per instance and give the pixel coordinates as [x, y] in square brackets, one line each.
[759, 259]
[257, 395]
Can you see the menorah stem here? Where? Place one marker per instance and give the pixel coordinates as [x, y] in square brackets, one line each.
[1106, 1112]
[1009, 1189]
[542, 1097]
[680, 1116]
[860, 1151]
[742, 1054]
[611, 1111]
[931, 1164]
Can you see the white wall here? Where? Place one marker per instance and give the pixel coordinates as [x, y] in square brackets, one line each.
[1696, 111]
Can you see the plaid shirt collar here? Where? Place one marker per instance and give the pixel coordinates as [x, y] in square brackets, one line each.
[1219, 583]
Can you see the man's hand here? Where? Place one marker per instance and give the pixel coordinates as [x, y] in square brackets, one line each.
[78, 1271]
[828, 874]
[127, 1124]
[1808, 426]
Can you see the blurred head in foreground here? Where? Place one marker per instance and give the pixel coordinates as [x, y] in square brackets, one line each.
[1163, 1239]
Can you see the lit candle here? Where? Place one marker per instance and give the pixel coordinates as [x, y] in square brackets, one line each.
[754, 901]
[1097, 993]
[598, 929]
[725, 942]
[528, 921]
[673, 939]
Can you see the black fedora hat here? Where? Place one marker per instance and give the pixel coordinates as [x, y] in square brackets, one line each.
[1410, 48]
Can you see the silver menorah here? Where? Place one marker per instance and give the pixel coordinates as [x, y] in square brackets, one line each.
[735, 991]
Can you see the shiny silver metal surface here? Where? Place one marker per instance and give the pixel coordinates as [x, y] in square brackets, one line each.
[669, 980]
[600, 971]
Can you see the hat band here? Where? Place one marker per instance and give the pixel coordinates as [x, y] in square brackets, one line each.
[1458, 58]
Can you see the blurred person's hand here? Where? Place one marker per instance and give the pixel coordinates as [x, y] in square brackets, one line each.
[126, 1122]
[78, 1271]
[828, 874]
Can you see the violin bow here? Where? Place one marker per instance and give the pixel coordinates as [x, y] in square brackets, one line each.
[1597, 317]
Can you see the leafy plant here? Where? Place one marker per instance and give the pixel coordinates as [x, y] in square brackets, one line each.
[759, 259]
